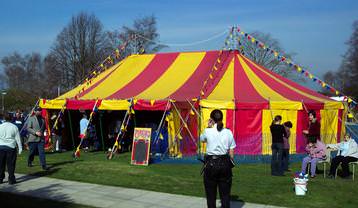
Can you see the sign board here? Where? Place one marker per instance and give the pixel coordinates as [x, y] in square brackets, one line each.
[141, 146]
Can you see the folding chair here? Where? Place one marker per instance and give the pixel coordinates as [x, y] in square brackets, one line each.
[353, 167]
[324, 162]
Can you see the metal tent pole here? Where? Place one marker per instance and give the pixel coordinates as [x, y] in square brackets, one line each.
[100, 125]
[71, 129]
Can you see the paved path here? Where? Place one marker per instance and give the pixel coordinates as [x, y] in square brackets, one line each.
[104, 196]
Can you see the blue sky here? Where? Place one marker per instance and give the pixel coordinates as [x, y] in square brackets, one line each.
[316, 30]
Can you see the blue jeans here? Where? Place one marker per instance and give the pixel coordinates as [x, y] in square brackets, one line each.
[285, 159]
[37, 147]
[276, 160]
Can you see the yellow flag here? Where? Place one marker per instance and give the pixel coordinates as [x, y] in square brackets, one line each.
[192, 112]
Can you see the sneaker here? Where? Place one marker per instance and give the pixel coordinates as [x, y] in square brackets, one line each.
[45, 168]
[313, 176]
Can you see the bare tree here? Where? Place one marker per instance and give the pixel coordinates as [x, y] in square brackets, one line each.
[14, 67]
[142, 37]
[53, 76]
[264, 57]
[332, 79]
[34, 76]
[80, 47]
[3, 81]
[348, 72]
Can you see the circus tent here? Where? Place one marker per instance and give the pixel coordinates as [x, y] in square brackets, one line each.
[248, 94]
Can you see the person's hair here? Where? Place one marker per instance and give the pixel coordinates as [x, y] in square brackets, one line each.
[288, 124]
[277, 118]
[312, 139]
[313, 113]
[217, 116]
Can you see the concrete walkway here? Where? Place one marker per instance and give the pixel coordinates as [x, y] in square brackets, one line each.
[104, 196]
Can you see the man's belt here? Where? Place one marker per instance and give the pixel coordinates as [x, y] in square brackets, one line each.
[214, 157]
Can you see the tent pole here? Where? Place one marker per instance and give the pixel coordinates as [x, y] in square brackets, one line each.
[73, 139]
[100, 125]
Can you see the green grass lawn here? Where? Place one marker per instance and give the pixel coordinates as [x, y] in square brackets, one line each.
[251, 183]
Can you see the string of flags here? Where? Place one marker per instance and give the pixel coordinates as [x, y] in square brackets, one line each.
[298, 68]
[214, 71]
[109, 61]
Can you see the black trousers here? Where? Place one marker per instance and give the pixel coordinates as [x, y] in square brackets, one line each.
[8, 158]
[285, 159]
[276, 160]
[344, 163]
[218, 174]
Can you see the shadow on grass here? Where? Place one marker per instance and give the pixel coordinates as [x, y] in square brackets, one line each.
[52, 165]
[40, 195]
[36, 175]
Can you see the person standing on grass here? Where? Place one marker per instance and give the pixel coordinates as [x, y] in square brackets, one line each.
[9, 139]
[286, 146]
[278, 132]
[57, 133]
[36, 140]
[83, 131]
[218, 161]
[314, 127]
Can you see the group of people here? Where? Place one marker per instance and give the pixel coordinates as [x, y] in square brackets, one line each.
[315, 148]
[280, 146]
[218, 163]
[10, 144]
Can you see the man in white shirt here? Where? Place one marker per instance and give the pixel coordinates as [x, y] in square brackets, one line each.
[84, 134]
[220, 146]
[347, 152]
[9, 139]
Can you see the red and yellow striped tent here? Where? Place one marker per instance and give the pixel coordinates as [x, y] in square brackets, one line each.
[248, 94]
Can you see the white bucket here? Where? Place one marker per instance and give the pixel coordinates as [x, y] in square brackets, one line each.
[300, 189]
[300, 186]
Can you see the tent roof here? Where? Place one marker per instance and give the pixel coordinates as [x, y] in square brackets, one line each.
[214, 75]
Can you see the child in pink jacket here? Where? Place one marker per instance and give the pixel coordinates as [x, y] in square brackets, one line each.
[316, 152]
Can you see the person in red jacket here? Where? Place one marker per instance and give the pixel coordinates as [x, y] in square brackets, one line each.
[314, 127]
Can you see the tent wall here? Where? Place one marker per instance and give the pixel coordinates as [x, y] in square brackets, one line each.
[267, 118]
[251, 128]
